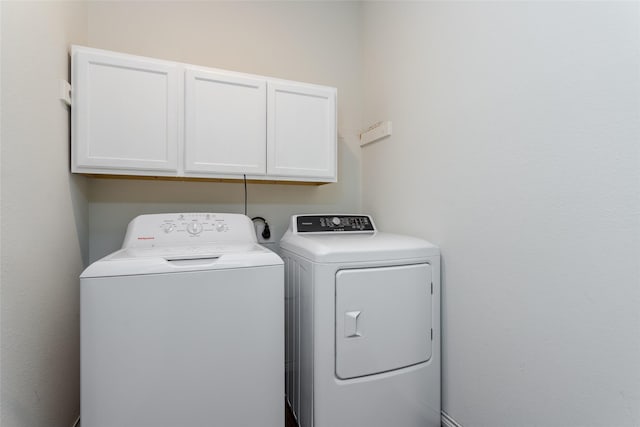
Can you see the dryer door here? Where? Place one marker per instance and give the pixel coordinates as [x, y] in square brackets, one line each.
[383, 319]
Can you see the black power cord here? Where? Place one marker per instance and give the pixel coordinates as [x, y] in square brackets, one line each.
[266, 233]
[245, 194]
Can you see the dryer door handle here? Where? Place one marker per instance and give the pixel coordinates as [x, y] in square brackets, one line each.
[351, 329]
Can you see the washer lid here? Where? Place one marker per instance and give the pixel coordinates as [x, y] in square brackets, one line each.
[339, 247]
[177, 259]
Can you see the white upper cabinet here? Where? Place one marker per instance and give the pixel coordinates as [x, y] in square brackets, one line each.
[142, 116]
[225, 123]
[301, 131]
[125, 113]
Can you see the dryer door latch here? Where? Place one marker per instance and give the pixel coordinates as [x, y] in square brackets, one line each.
[351, 324]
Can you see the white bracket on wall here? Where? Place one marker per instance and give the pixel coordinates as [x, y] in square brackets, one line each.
[375, 132]
[65, 92]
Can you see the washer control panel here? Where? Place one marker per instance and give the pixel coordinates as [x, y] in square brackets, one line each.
[195, 224]
[182, 228]
[333, 223]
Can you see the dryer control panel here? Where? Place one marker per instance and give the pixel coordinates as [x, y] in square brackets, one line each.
[333, 223]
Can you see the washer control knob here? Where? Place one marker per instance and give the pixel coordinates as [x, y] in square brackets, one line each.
[220, 227]
[168, 228]
[335, 220]
[194, 228]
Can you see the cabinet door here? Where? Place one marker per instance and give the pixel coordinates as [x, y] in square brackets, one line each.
[125, 113]
[225, 123]
[301, 131]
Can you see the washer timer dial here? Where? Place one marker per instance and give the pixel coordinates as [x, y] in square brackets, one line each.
[194, 228]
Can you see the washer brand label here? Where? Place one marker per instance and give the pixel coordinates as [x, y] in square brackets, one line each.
[146, 238]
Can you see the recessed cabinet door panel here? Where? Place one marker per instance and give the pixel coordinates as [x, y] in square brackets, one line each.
[383, 319]
[125, 113]
[301, 131]
[225, 123]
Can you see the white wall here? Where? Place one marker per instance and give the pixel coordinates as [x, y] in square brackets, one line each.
[316, 42]
[1, 214]
[44, 218]
[516, 148]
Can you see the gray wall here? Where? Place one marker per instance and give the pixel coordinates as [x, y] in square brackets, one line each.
[316, 42]
[44, 213]
[516, 149]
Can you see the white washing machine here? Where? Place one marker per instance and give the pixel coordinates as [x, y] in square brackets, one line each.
[362, 324]
[183, 327]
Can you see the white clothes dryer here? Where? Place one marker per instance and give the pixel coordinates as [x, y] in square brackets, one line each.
[183, 327]
[362, 324]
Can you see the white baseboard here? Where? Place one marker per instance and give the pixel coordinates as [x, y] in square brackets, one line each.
[447, 421]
